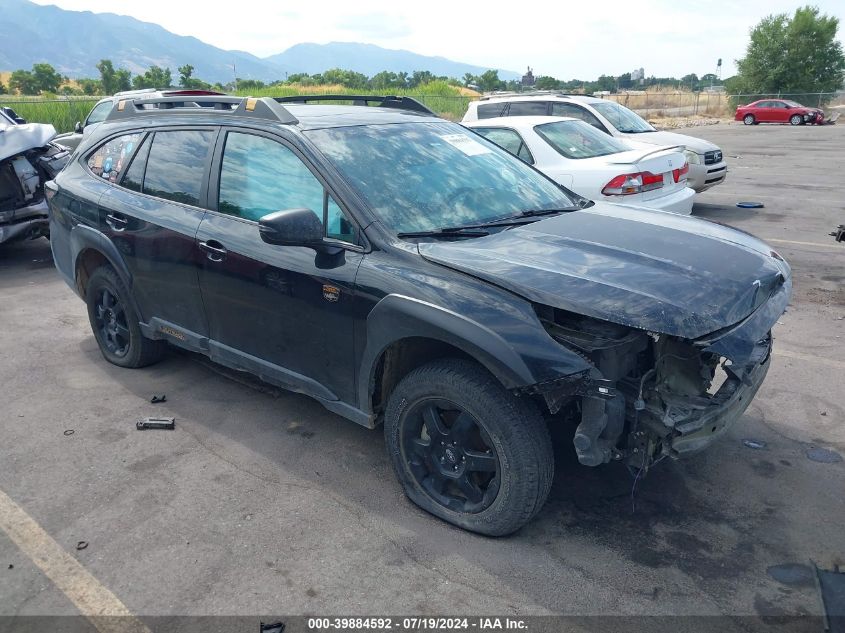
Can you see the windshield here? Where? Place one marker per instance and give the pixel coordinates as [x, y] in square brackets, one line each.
[576, 139]
[622, 118]
[423, 176]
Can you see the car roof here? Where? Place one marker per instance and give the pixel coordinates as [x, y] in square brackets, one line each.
[538, 97]
[518, 121]
[312, 117]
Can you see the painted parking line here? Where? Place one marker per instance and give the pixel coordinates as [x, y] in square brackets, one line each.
[830, 362]
[86, 593]
[816, 244]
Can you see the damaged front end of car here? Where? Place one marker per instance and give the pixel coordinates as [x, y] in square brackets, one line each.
[650, 395]
[28, 159]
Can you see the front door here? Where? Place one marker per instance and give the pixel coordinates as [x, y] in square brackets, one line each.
[152, 216]
[283, 312]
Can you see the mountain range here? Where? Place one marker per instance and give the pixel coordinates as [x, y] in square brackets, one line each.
[73, 42]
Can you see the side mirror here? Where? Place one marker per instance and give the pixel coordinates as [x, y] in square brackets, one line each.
[78, 127]
[292, 227]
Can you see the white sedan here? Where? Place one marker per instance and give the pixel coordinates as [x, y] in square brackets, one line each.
[593, 164]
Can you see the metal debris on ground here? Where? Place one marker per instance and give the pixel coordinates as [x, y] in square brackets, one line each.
[824, 456]
[755, 444]
[839, 233]
[69, 432]
[750, 205]
[82, 545]
[156, 398]
[156, 423]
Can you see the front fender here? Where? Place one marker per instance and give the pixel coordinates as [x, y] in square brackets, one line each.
[397, 317]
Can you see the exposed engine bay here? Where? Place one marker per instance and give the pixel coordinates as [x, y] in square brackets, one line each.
[649, 395]
[27, 160]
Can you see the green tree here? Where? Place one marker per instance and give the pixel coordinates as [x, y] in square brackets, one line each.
[188, 81]
[469, 78]
[122, 80]
[384, 80]
[545, 82]
[420, 77]
[90, 86]
[489, 80]
[793, 55]
[46, 78]
[23, 82]
[690, 80]
[155, 77]
[107, 76]
[3, 88]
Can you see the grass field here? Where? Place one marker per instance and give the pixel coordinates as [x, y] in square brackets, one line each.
[62, 113]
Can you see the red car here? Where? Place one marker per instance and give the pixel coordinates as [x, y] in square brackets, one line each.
[778, 111]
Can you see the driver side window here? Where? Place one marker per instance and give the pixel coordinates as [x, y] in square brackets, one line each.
[259, 176]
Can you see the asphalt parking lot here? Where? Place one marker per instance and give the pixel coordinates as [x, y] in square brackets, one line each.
[260, 501]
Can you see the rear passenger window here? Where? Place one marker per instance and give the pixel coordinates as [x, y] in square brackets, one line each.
[134, 177]
[577, 112]
[508, 140]
[109, 160]
[491, 110]
[176, 165]
[528, 108]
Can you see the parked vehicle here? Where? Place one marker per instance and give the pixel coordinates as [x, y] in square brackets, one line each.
[707, 166]
[778, 111]
[401, 269]
[592, 164]
[102, 108]
[28, 159]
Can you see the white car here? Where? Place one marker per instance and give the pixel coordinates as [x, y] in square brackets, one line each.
[707, 165]
[592, 164]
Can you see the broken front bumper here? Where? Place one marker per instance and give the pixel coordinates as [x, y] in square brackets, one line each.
[24, 223]
[703, 424]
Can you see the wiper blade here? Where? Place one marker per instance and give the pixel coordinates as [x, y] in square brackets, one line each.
[525, 217]
[453, 231]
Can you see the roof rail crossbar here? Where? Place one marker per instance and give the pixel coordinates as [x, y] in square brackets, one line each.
[252, 107]
[383, 101]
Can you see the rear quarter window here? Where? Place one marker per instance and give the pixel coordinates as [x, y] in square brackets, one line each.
[491, 110]
[528, 108]
[110, 159]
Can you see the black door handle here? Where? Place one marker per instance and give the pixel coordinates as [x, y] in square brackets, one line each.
[214, 250]
[116, 222]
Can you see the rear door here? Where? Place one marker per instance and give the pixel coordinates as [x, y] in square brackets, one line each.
[152, 216]
[765, 112]
[282, 312]
[509, 140]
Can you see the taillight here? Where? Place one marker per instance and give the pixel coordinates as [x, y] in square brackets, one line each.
[627, 184]
[681, 174]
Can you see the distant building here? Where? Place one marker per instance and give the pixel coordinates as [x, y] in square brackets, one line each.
[528, 79]
[638, 75]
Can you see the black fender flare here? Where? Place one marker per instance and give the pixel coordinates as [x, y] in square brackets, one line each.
[397, 317]
[83, 238]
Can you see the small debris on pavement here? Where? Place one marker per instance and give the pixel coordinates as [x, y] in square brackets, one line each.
[822, 412]
[156, 398]
[273, 627]
[11, 566]
[750, 205]
[156, 423]
[755, 444]
[82, 545]
[824, 456]
[69, 432]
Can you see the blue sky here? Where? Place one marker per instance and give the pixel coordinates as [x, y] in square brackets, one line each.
[562, 39]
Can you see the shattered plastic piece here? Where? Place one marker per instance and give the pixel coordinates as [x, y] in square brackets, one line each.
[750, 205]
[156, 423]
[824, 456]
[755, 444]
[82, 545]
[69, 432]
[273, 627]
[157, 398]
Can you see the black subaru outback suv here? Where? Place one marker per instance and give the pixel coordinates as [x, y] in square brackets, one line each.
[401, 269]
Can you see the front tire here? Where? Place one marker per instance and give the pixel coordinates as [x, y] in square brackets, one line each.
[796, 119]
[748, 119]
[115, 322]
[467, 450]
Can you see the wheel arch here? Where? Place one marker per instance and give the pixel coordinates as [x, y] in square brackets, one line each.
[405, 333]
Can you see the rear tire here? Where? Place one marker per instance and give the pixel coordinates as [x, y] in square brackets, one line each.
[115, 322]
[467, 450]
[749, 119]
[796, 119]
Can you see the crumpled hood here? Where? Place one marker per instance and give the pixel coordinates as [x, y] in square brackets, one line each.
[645, 269]
[16, 139]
